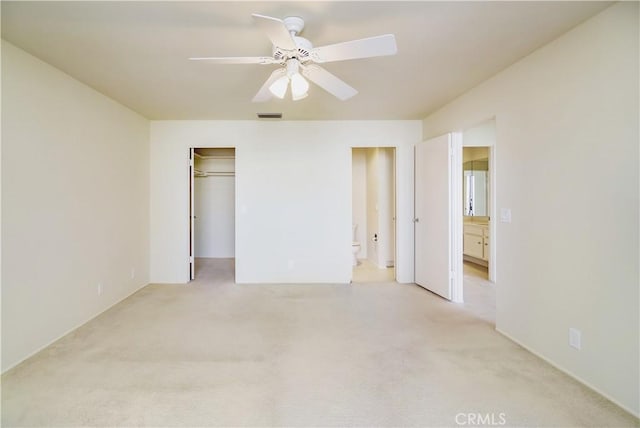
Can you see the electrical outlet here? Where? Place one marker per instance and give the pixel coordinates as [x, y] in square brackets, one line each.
[100, 289]
[133, 273]
[575, 338]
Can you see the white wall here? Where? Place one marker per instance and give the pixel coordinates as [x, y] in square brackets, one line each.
[215, 217]
[372, 205]
[293, 195]
[567, 166]
[75, 203]
[482, 135]
[214, 201]
[386, 207]
[359, 198]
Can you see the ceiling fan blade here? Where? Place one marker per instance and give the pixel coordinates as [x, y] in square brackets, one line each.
[276, 31]
[264, 94]
[328, 81]
[363, 48]
[237, 60]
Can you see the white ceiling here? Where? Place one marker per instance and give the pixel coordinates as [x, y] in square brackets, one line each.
[136, 52]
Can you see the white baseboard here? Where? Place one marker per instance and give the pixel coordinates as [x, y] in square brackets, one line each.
[572, 375]
[72, 329]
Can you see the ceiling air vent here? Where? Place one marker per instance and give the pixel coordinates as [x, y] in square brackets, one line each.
[269, 115]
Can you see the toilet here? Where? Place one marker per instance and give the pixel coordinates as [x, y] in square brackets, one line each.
[355, 245]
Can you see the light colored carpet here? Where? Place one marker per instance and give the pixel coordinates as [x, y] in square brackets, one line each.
[218, 354]
[368, 272]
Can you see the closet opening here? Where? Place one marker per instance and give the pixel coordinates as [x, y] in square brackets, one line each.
[212, 214]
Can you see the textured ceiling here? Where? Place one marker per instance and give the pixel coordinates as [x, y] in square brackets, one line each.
[136, 52]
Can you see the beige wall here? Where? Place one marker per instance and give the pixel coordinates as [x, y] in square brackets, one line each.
[293, 195]
[567, 167]
[75, 203]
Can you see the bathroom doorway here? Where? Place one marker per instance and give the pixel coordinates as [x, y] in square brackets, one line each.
[212, 212]
[373, 214]
[478, 187]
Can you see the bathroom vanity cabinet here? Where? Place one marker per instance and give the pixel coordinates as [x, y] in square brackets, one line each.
[476, 243]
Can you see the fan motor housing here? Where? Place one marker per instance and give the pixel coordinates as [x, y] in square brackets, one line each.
[304, 50]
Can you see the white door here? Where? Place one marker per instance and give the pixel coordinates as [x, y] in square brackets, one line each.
[192, 216]
[438, 216]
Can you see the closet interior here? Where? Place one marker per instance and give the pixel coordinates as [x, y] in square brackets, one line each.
[214, 204]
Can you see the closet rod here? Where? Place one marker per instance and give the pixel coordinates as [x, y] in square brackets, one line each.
[199, 156]
[215, 174]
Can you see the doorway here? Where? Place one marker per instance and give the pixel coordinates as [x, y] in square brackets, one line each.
[443, 204]
[478, 229]
[373, 214]
[212, 211]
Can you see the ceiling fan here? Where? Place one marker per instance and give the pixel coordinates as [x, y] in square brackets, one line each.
[299, 59]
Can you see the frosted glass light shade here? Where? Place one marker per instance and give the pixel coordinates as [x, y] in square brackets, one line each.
[298, 97]
[279, 87]
[299, 87]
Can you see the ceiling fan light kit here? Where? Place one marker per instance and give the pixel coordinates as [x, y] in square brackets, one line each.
[299, 85]
[297, 58]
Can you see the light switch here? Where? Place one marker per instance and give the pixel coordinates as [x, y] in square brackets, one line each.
[505, 215]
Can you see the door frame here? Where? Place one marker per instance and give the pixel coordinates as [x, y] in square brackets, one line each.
[191, 162]
[192, 215]
[394, 213]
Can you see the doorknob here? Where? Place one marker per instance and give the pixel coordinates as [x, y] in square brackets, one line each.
[416, 220]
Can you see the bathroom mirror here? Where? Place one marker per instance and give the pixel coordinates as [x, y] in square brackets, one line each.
[475, 190]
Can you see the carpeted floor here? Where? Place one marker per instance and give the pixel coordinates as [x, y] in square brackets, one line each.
[218, 354]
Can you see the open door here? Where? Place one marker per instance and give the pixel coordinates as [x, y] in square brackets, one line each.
[438, 216]
[192, 216]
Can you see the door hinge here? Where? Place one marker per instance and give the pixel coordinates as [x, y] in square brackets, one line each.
[190, 162]
[191, 259]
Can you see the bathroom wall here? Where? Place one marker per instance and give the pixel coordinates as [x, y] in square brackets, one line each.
[359, 198]
[293, 195]
[376, 187]
[386, 188]
[372, 205]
